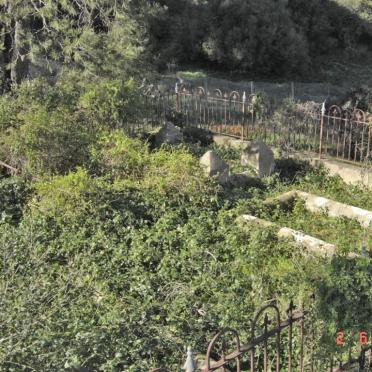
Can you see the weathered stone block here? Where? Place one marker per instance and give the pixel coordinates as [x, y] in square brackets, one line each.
[213, 165]
[168, 134]
[260, 157]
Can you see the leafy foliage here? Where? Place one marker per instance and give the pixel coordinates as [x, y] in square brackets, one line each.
[262, 37]
[14, 193]
[115, 255]
[123, 265]
[98, 39]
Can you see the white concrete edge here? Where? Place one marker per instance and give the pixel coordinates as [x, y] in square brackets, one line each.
[310, 243]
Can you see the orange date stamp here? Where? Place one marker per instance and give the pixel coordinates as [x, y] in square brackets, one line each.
[362, 338]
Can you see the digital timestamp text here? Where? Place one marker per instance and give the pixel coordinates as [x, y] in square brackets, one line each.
[362, 337]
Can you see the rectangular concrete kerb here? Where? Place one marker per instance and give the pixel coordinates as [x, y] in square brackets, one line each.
[319, 204]
[310, 243]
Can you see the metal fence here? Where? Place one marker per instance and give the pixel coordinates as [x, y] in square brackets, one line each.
[326, 131]
[275, 344]
[261, 362]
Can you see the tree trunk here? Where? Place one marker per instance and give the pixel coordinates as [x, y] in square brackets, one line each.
[20, 59]
[6, 54]
[13, 59]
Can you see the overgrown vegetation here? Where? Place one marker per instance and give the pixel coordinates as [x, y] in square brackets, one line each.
[254, 37]
[117, 254]
[259, 37]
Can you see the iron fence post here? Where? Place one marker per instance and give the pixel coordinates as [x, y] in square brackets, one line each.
[190, 364]
[177, 97]
[302, 332]
[290, 329]
[321, 130]
[243, 111]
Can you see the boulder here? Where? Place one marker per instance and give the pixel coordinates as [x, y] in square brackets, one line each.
[260, 157]
[214, 166]
[168, 134]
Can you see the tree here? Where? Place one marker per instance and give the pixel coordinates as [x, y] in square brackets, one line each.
[255, 36]
[97, 36]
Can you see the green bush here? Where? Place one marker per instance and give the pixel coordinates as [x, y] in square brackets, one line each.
[112, 103]
[255, 36]
[47, 143]
[116, 155]
[130, 297]
[14, 193]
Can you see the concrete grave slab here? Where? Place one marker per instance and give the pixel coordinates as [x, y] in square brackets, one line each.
[319, 204]
[310, 243]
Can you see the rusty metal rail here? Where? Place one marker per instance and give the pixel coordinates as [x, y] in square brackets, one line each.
[361, 361]
[261, 340]
[281, 355]
[329, 132]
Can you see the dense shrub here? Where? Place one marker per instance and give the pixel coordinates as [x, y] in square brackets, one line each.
[117, 155]
[130, 297]
[257, 36]
[49, 129]
[47, 142]
[121, 271]
[112, 103]
[14, 193]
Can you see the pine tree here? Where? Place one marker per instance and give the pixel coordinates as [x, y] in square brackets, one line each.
[98, 36]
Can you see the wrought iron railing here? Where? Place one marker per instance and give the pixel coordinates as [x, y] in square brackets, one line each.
[266, 351]
[331, 132]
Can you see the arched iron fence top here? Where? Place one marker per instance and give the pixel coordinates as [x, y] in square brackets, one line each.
[234, 96]
[335, 110]
[200, 91]
[359, 116]
[263, 310]
[217, 93]
[182, 88]
[252, 97]
[222, 360]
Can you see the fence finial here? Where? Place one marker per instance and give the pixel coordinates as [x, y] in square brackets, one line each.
[190, 365]
[323, 108]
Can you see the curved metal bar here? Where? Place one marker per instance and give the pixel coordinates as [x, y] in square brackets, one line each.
[251, 96]
[213, 342]
[182, 88]
[217, 93]
[234, 96]
[333, 109]
[359, 114]
[271, 305]
[260, 312]
[200, 91]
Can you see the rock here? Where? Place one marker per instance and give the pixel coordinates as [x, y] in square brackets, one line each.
[214, 166]
[169, 134]
[259, 156]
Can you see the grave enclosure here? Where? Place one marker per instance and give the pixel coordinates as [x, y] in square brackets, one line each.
[326, 131]
[271, 346]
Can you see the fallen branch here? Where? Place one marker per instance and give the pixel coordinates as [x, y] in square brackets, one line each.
[14, 170]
